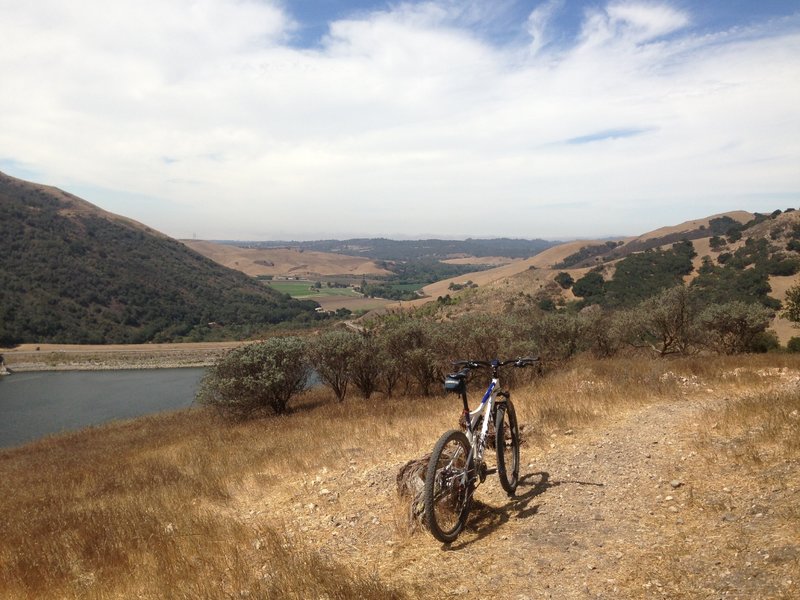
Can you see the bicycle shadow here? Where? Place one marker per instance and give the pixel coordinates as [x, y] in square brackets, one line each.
[485, 519]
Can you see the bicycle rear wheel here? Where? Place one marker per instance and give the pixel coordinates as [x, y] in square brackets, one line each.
[507, 445]
[448, 486]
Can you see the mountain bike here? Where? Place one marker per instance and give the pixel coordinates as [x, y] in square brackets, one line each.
[457, 464]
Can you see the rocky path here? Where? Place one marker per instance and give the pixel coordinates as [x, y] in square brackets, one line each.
[583, 508]
[594, 511]
[583, 505]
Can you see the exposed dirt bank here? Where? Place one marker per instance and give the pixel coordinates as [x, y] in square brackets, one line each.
[69, 357]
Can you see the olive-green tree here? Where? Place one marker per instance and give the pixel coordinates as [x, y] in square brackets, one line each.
[332, 354]
[732, 328]
[666, 323]
[604, 331]
[791, 306]
[559, 336]
[564, 279]
[391, 350]
[366, 366]
[415, 349]
[252, 378]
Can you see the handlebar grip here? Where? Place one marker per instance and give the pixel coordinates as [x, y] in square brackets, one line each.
[528, 360]
[470, 364]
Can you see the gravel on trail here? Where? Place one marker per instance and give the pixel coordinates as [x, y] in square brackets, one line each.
[599, 512]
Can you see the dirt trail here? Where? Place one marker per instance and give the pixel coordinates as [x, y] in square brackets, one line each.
[588, 507]
[565, 534]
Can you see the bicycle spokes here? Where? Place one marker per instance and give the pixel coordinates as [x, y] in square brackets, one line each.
[448, 486]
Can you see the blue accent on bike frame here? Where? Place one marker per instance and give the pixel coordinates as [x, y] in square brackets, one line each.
[488, 393]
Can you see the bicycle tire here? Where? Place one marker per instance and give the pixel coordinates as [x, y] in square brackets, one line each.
[507, 446]
[449, 484]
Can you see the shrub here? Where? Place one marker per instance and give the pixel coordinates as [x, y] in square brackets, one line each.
[793, 345]
[782, 266]
[733, 327]
[791, 305]
[546, 304]
[413, 350]
[564, 279]
[255, 377]
[734, 235]
[589, 286]
[366, 367]
[716, 243]
[666, 323]
[559, 335]
[764, 341]
[333, 354]
[605, 332]
[391, 350]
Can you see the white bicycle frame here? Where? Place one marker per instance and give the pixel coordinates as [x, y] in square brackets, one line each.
[487, 403]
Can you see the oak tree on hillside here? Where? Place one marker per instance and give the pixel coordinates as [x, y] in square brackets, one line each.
[791, 305]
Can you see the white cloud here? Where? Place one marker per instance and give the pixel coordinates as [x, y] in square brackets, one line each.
[540, 23]
[644, 22]
[402, 121]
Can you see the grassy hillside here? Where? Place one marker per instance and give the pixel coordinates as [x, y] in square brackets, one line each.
[286, 262]
[186, 505]
[72, 273]
[736, 256]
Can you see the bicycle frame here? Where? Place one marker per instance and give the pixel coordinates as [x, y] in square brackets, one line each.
[478, 440]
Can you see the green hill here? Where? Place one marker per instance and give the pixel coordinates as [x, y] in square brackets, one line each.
[73, 273]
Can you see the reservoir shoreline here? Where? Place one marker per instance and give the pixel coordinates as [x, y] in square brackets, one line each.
[34, 405]
[71, 357]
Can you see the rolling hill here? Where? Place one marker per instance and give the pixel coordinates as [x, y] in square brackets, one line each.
[287, 262]
[729, 248]
[73, 273]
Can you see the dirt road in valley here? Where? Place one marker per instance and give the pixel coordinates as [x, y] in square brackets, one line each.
[619, 510]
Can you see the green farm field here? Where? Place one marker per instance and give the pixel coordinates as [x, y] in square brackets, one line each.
[303, 289]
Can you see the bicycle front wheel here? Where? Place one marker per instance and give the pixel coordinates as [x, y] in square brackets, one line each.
[507, 445]
[448, 486]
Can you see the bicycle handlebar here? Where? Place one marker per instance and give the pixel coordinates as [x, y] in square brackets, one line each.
[477, 364]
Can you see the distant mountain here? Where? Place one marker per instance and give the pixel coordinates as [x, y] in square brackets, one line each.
[73, 273]
[383, 249]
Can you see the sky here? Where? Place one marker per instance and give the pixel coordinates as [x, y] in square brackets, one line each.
[303, 119]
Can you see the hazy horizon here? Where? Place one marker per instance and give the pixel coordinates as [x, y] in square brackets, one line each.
[303, 120]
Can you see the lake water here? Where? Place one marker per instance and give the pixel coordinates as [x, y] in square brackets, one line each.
[33, 405]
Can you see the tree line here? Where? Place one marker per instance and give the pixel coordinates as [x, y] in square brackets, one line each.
[410, 352]
[740, 275]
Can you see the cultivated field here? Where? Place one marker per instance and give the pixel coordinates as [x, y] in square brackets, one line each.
[329, 299]
[641, 479]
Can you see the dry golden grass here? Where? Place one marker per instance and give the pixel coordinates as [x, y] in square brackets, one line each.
[285, 261]
[186, 505]
[138, 510]
[739, 531]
